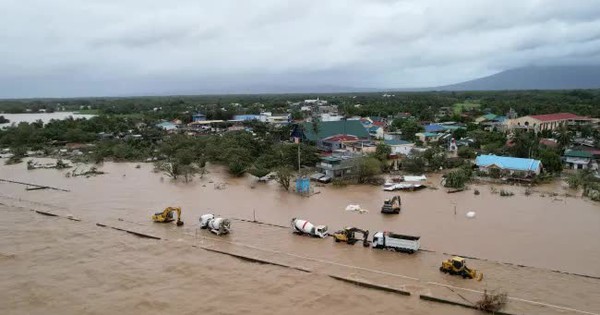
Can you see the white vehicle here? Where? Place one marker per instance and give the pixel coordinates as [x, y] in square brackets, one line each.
[397, 242]
[305, 227]
[218, 226]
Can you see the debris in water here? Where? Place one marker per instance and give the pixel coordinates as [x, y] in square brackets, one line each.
[356, 208]
[476, 192]
[506, 193]
[492, 302]
[92, 171]
[471, 214]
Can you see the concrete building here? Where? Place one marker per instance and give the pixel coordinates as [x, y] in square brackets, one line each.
[400, 147]
[545, 122]
[338, 166]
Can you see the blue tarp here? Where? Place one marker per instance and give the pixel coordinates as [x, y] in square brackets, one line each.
[510, 163]
[303, 185]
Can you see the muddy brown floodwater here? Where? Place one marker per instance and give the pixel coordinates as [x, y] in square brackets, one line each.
[75, 267]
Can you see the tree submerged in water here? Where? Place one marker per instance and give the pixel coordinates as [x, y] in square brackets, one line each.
[492, 302]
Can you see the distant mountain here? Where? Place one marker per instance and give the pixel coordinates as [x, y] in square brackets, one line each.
[533, 78]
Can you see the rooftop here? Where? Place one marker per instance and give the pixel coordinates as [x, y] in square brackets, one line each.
[579, 154]
[331, 128]
[507, 162]
[396, 142]
[558, 116]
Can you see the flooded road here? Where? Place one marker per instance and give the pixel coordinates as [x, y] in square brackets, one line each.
[558, 233]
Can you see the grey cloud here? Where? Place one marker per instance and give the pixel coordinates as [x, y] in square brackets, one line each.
[99, 47]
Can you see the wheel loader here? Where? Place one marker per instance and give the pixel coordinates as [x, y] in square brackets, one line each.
[168, 215]
[348, 235]
[458, 266]
[392, 206]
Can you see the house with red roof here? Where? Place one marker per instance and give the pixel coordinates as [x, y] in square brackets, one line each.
[546, 122]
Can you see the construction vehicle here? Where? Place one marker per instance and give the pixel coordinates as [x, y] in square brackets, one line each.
[392, 206]
[168, 215]
[214, 224]
[348, 235]
[304, 227]
[397, 242]
[458, 266]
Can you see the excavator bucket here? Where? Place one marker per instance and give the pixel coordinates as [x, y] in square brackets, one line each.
[479, 276]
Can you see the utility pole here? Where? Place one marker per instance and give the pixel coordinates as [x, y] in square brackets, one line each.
[298, 158]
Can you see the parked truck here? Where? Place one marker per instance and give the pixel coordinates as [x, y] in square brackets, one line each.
[304, 227]
[397, 242]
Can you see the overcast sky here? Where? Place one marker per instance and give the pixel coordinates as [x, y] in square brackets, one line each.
[128, 47]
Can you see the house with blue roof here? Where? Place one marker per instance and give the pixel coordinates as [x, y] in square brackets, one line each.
[509, 165]
[435, 128]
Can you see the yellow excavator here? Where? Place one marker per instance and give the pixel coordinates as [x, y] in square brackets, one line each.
[392, 206]
[168, 215]
[348, 235]
[458, 266]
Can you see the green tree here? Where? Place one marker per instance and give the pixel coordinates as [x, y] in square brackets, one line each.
[414, 163]
[284, 177]
[382, 152]
[456, 179]
[408, 128]
[564, 137]
[367, 168]
[551, 161]
[466, 152]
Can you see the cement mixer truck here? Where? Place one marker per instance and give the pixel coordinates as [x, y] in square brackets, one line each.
[217, 225]
[306, 228]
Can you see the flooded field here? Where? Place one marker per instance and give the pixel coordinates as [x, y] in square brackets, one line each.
[542, 233]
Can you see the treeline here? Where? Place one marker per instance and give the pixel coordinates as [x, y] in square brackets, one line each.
[423, 105]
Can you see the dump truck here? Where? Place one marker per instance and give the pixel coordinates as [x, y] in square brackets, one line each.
[214, 224]
[397, 242]
[306, 228]
[392, 206]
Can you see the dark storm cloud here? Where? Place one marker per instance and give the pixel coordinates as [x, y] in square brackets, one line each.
[118, 47]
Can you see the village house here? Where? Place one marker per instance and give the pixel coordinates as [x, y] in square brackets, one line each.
[167, 126]
[509, 165]
[399, 147]
[428, 137]
[198, 117]
[579, 160]
[340, 164]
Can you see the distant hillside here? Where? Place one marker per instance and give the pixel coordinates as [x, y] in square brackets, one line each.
[534, 78]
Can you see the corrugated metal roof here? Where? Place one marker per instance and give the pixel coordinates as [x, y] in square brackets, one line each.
[330, 128]
[579, 154]
[396, 142]
[507, 162]
[434, 128]
[554, 117]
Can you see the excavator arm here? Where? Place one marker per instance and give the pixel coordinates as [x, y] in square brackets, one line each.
[365, 234]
